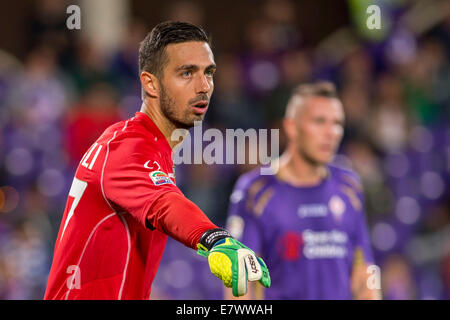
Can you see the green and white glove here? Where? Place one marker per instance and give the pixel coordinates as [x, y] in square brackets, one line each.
[231, 261]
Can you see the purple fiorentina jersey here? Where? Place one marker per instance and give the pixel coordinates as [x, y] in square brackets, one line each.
[309, 237]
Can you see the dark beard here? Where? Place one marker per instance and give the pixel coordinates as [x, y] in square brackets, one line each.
[168, 109]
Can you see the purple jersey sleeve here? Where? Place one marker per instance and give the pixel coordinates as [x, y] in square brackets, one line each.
[241, 222]
[361, 239]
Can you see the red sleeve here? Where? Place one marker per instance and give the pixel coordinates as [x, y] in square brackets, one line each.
[180, 218]
[128, 185]
[127, 179]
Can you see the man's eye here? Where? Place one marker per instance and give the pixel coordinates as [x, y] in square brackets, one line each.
[186, 74]
[210, 73]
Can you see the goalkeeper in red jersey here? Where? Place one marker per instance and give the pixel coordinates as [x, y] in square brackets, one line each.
[123, 202]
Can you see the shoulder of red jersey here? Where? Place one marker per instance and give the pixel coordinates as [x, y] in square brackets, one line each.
[130, 137]
[132, 147]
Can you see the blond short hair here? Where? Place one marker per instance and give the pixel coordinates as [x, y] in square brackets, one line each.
[319, 89]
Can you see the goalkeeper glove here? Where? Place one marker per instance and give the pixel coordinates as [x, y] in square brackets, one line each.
[231, 261]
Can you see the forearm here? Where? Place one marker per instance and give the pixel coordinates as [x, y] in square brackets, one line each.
[180, 218]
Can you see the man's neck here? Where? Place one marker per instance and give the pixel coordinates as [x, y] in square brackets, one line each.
[164, 125]
[299, 172]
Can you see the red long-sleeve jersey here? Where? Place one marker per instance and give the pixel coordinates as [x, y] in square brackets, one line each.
[122, 205]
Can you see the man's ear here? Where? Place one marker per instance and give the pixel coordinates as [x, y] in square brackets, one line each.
[289, 128]
[150, 84]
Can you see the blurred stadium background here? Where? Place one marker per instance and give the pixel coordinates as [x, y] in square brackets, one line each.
[60, 88]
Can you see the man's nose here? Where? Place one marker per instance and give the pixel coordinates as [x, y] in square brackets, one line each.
[203, 85]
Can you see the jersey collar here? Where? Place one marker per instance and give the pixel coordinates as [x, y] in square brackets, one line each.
[151, 126]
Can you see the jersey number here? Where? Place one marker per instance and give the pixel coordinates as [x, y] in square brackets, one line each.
[87, 156]
[76, 192]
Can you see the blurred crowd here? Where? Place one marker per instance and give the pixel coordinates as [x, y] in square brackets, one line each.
[395, 90]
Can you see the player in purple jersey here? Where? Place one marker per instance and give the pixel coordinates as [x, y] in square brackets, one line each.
[307, 221]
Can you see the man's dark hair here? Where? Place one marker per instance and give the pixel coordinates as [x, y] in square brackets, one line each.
[152, 56]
